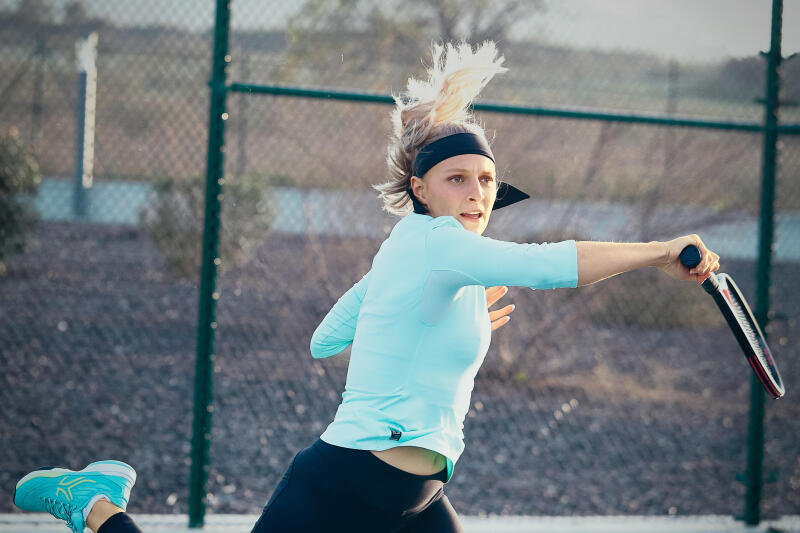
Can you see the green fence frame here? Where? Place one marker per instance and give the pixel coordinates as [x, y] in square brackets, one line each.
[206, 316]
[203, 405]
[755, 440]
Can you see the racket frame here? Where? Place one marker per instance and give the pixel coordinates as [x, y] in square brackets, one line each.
[725, 291]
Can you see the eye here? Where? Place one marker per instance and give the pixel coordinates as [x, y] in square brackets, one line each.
[489, 179]
[456, 178]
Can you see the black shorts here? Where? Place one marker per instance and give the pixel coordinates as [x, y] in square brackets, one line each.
[328, 488]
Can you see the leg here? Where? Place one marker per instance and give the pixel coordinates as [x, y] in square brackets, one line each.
[105, 517]
[294, 505]
[317, 495]
[72, 495]
[439, 517]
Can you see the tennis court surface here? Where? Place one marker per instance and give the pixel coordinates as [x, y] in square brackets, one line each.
[230, 523]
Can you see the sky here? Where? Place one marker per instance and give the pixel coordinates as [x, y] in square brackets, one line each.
[693, 30]
[687, 29]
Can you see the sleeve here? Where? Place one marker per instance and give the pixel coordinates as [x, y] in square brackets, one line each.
[489, 262]
[337, 329]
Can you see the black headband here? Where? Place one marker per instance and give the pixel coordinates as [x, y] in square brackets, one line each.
[452, 145]
[458, 144]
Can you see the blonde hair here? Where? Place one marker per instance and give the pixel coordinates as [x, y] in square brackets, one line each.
[435, 108]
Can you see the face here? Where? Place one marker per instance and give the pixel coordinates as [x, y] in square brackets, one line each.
[459, 185]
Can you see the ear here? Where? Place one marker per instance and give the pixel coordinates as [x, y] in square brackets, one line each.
[418, 187]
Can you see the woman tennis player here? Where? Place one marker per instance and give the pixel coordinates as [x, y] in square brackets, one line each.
[419, 325]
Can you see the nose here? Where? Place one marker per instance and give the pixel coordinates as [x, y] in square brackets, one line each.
[476, 193]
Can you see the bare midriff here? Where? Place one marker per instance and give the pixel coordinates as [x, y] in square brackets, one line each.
[413, 459]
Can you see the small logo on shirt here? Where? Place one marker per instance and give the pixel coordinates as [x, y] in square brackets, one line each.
[395, 435]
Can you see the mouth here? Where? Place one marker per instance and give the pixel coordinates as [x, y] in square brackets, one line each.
[472, 215]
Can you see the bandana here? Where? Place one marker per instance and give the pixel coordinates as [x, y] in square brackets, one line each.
[452, 145]
[458, 144]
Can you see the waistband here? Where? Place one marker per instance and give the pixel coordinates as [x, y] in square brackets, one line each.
[358, 475]
[371, 465]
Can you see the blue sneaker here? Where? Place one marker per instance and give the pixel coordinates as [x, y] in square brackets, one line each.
[65, 493]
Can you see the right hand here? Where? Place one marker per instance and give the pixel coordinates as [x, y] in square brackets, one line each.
[709, 261]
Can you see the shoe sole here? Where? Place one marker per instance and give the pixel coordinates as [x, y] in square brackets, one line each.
[109, 467]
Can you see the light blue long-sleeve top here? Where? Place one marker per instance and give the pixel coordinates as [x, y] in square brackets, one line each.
[420, 329]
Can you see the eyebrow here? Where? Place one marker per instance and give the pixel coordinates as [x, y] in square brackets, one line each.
[465, 171]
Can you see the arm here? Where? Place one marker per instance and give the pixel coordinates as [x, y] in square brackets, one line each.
[479, 260]
[600, 260]
[337, 329]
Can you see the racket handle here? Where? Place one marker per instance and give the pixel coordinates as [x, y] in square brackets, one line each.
[690, 258]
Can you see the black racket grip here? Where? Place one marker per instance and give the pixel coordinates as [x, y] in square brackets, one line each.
[690, 258]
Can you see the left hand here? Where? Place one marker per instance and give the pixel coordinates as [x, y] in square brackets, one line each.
[500, 317]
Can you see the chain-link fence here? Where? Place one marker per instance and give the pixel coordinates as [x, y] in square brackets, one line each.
[629, 396]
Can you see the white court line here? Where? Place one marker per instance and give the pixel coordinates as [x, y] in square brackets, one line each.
[230, 523]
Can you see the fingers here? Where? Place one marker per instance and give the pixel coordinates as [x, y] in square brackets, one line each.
[500, 323]
[713, 262]
[498, 318]
[709, 262]
[495, 293]
[701, 279]
[502, 312]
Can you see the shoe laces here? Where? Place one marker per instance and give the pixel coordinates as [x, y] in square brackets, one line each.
[60, 510]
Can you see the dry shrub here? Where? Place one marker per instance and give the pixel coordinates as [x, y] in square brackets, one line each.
[174, 220]
[19, 183]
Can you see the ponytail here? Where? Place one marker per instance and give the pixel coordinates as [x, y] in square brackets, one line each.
[435, 108]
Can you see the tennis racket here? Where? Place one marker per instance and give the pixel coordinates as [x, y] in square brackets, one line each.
[737, 313]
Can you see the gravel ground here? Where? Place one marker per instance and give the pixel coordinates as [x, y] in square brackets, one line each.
[571, 415]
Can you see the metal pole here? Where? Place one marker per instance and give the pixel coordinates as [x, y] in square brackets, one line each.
[86, 53]
[244, 73]
[571, 114]
[206, 324]
[79, 199]
[755, 439]
[37, 95]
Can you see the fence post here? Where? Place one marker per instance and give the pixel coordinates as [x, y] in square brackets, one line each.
[206, 324]
[86, 55]
[37, 95]
[244, 74]
[755, 439]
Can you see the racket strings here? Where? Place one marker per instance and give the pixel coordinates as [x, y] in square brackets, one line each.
[749, 332]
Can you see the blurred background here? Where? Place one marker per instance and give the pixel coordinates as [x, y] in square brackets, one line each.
[629, 396]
